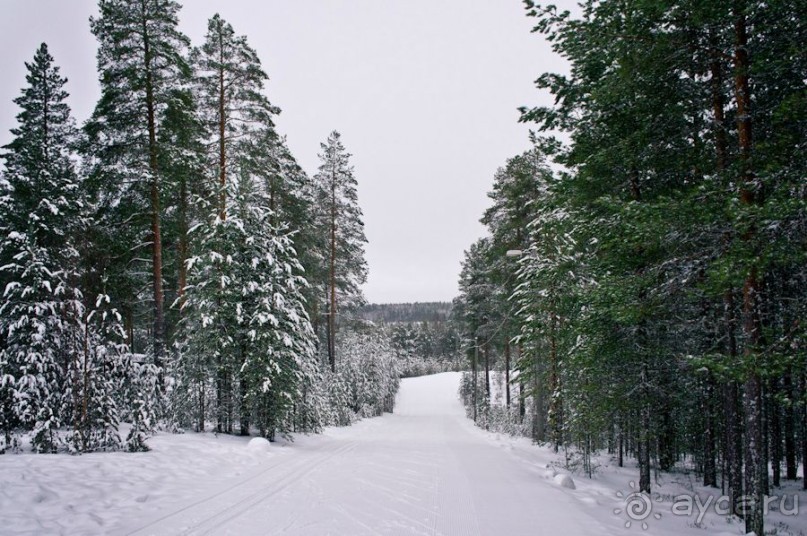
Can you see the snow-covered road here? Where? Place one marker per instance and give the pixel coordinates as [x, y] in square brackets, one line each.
[423, 470]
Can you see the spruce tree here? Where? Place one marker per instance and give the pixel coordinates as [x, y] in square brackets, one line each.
[56, 368]
[248, 332]
[40, 301]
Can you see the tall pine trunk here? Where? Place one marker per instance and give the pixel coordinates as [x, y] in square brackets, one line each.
[474, 361]
[507, 373]
[222, 126]
[538, 429]
[156, 236]
[485, 353]
[244, 419]
[791, 466]
[223, 392]
[332, 280]
[749, 196]
[774, 432]
[804, 431]
[522, 395]
[707, 407]
[643, 439]
[732, 431]
[182, 252]
[733, 438]
[555, 400]
[200, 426]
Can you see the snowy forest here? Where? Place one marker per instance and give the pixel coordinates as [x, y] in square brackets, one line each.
[168, 264]
[425, 338]
[648, 258]
[174, 282]
[407, 312]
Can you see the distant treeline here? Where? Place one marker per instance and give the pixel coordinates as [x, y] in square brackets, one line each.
[406, 312]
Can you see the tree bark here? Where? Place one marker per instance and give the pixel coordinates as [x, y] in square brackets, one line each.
[486, 355]
[332, 279]
[538, 431]
[732, 433]
[775, 432]
[643, 439]
[220, 415]
[182, 269]
[749, 195]
[222, 134]
[507, 373]
[522, 406]
[201, 415]
[156, 236]
[732, 412]
[791, 467]
[474, 361]
[244, 421]
[804, 431]
[555, 400]
[709, 466]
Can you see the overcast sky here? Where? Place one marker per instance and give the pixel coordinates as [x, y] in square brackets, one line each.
[424, 92]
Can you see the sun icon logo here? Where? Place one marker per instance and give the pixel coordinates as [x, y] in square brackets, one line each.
[638, 507]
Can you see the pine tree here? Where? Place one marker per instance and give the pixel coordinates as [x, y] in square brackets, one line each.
[246, 156]
[685, 206]
[239, 120]
[141, 66]
[480, 315]
[517, 189]
[339, 219]
[238, 115]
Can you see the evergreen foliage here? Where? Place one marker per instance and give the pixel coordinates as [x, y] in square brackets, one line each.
[661, 269]
[59, 359]
[341, 239]
[143, 71]
[171, 280]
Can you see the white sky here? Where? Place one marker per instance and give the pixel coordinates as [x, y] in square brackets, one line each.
[424, 92]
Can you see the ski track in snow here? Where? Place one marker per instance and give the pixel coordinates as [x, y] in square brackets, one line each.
[424, 470]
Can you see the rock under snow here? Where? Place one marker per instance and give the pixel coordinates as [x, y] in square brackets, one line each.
[565, 481]
[259, 444]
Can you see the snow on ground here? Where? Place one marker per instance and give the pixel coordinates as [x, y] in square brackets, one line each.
[423, 470]
[679, 504]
